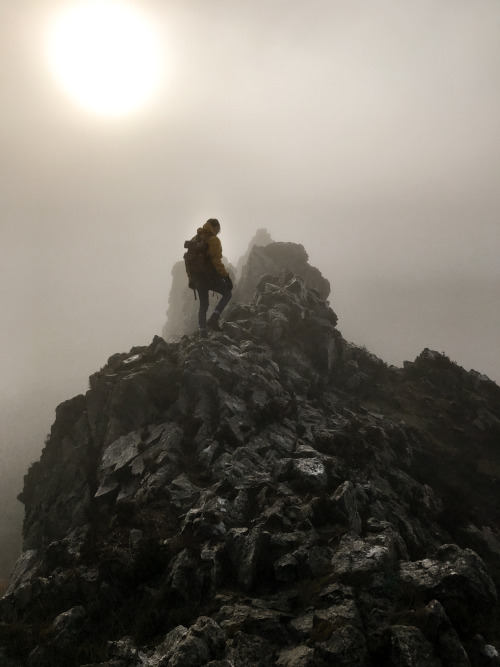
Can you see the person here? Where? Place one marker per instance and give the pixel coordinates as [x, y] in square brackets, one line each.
[217, 278]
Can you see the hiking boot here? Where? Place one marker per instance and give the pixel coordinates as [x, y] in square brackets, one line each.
[213, 322]
[203, 333]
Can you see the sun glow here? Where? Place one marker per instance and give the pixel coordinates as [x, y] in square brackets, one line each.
[106, 55]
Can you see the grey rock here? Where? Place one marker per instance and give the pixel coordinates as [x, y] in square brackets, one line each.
[193, 647]
[109, 487]
[409, 648]
[439, 630]
[126, 653]
[120, 453]
[183, 493]
[25, 568]
[345, 500]
[459, 580]
[127, 459]
[253, 620]
[185, 577]
[242, 469]
[68, 620]
[247, 550]
[319, 560]
[287, 568]
[343, 646]
[273, 258]
[245, 650]
[309, 474]
[302, 626]
[338, 615]
[482, 653]
[365, 560]
[299, 656]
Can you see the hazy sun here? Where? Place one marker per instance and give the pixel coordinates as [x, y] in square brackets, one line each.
[105, 54]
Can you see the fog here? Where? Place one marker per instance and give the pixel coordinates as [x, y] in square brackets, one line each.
[368, 132]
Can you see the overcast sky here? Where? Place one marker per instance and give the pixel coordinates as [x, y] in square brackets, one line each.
[367, 131]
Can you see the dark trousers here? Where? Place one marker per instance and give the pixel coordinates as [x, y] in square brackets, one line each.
[216, 285]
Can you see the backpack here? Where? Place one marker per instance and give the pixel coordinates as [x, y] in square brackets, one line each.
[197, 261]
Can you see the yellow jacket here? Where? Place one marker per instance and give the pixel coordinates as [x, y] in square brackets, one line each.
[208, 235]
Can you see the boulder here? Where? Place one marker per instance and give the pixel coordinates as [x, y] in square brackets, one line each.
[458, 579]
[190, 647]
[409, 648]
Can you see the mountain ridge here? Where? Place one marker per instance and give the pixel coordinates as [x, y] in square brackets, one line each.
[274, 495]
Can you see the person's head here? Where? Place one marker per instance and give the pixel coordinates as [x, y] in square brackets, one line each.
[215, 224]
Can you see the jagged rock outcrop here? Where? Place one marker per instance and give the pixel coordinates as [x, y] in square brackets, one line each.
[270, 496]
[273, 258]
[182, 310]
[263, 257]
[260, 238]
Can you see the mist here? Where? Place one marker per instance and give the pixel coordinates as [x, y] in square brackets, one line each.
[369, 133]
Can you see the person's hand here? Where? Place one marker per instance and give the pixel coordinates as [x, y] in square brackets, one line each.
[229, 282]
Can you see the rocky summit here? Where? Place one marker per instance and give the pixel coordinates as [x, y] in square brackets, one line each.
[273, 495]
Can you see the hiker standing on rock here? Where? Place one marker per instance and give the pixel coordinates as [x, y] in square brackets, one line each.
[206, 272]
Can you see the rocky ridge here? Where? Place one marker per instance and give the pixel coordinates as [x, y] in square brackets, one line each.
[273, 495]
[266, 257]
[263, 257]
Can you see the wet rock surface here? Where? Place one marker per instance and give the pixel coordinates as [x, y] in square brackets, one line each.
[273, 495]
